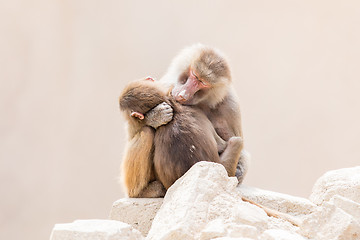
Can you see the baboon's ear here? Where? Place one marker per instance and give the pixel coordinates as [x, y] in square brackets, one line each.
[137, 115]
[150, 78]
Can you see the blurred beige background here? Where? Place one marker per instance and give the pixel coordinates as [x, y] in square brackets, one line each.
[296, 69]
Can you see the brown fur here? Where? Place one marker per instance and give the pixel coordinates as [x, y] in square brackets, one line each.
[137, 165]
[175, 147]
[218, 102]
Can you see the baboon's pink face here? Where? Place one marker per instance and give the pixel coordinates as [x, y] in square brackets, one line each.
[188, 87]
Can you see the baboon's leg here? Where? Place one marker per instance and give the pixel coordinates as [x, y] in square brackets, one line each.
[230, 156]
[154, 189]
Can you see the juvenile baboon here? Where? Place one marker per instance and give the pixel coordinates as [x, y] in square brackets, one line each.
[166, 154]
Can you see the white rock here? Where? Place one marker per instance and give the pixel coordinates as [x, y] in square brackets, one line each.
[206, 204]
[213, 229]
[331, 223]
[350, 207]
[203, 194]
[344, 182]
[232, 209]
[231, 238]
[278, 223]
[138, 212]
[278, 234]
[94, 230]
[217, 228]
[278, 201]
[242, 231]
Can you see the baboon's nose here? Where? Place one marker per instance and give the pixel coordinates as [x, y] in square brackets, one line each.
[181, 97]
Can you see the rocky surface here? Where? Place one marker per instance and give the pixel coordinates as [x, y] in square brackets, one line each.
[95, 230]
[343, 182]
[203, 195]
[138, 212]
[281, 202]
[206, 204]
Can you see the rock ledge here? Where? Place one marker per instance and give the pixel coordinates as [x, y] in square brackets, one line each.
[206, 204]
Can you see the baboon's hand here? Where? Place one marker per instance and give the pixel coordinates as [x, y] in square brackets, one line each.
[159, 115]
